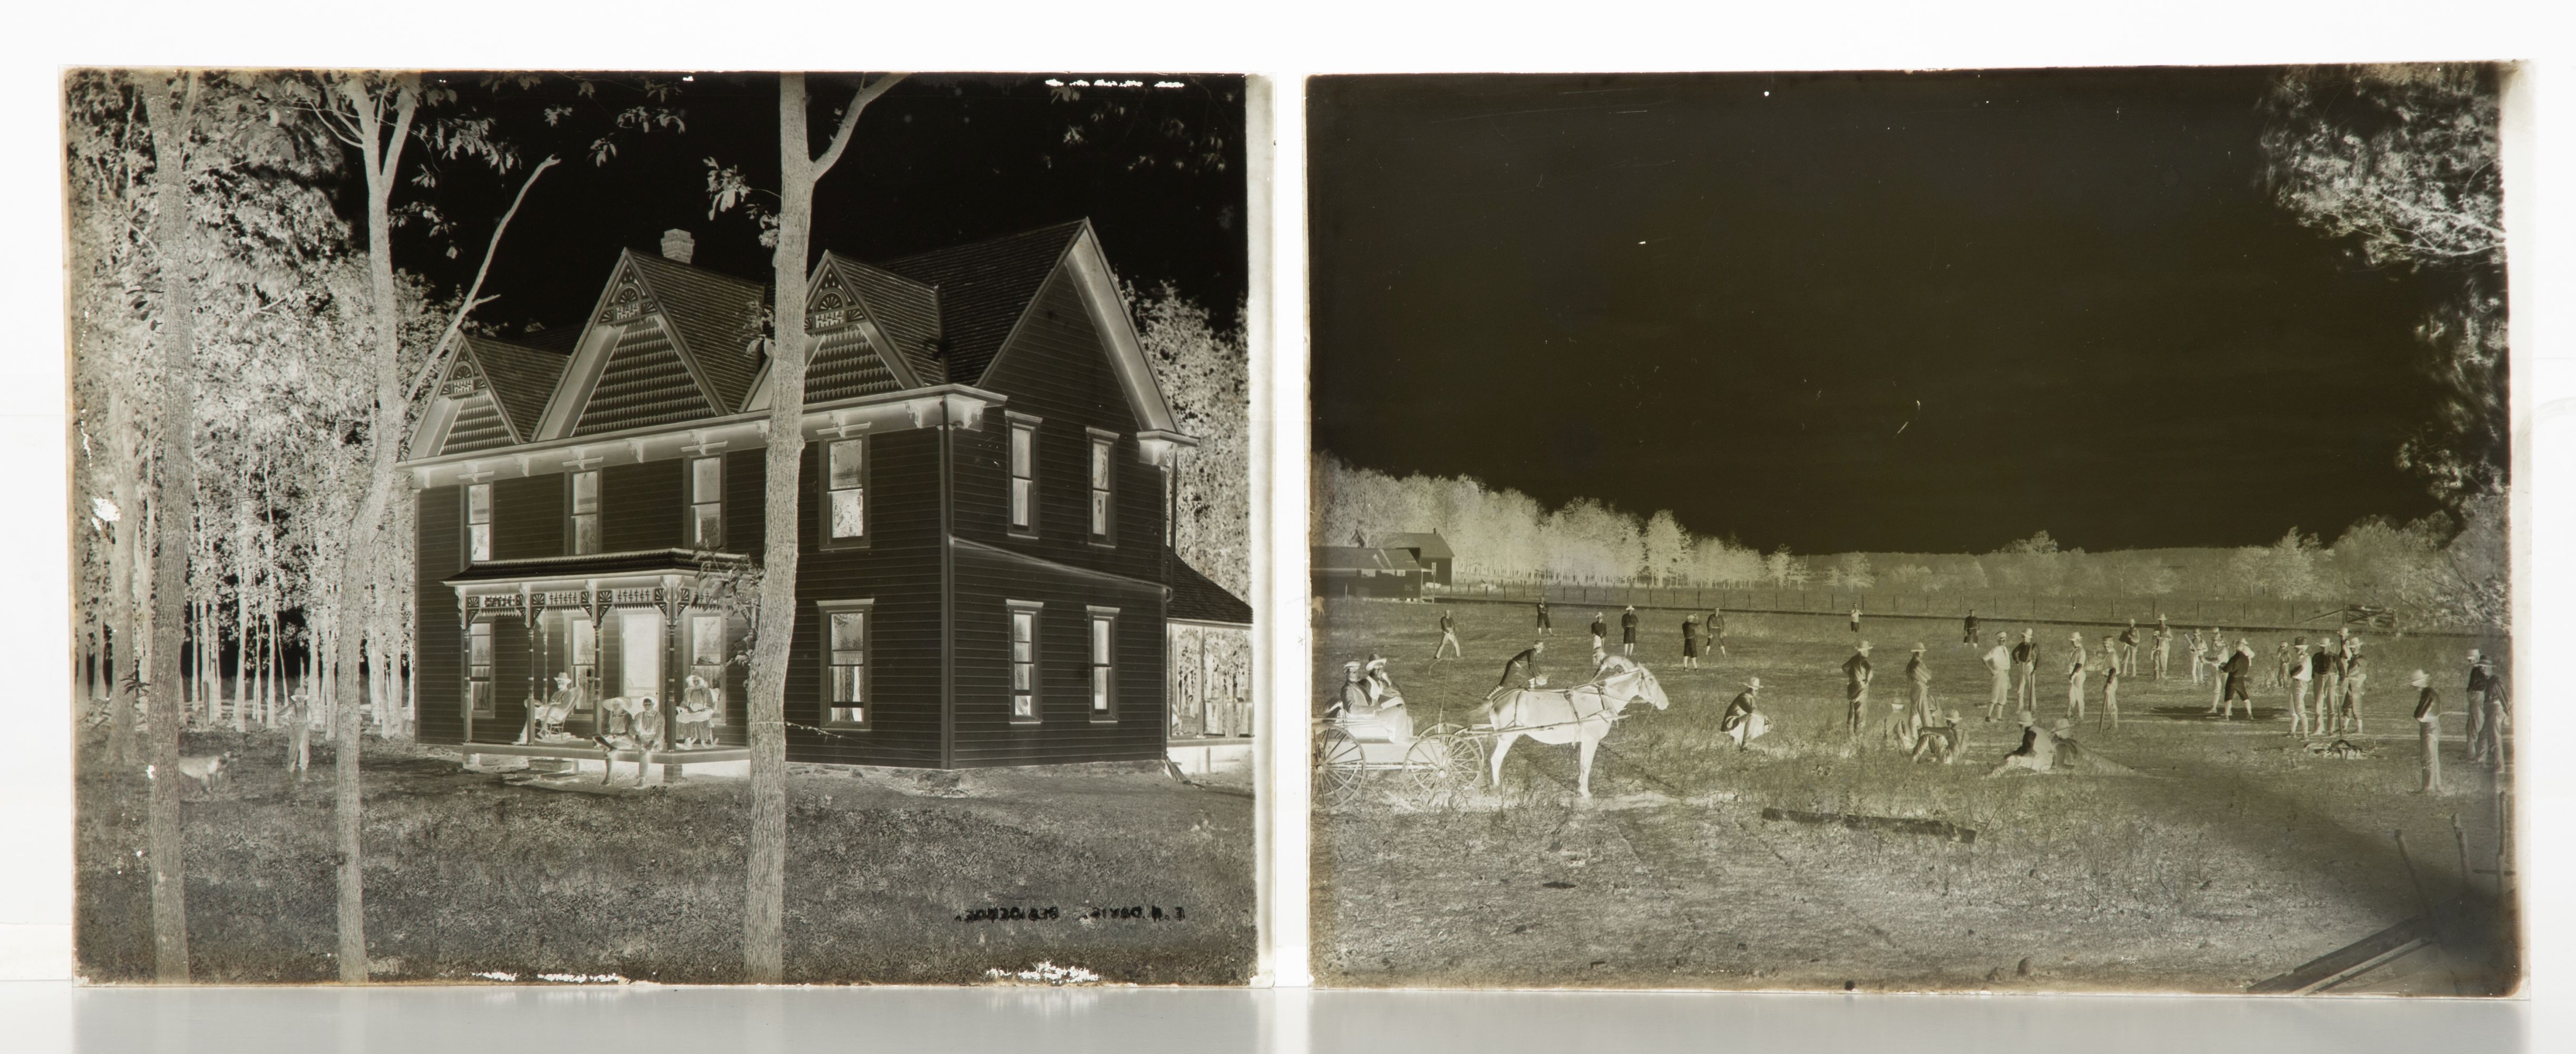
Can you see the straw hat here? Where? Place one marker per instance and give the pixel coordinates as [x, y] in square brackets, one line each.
[1918, 645]
[1753, 684]
[2420, 679]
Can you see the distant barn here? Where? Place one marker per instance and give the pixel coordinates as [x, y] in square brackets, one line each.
[1358, 571]
[1430, 550]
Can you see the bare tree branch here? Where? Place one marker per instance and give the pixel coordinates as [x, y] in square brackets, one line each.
[868, 93]
[466, 306]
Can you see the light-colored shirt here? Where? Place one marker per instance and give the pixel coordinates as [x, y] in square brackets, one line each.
[1999, 660]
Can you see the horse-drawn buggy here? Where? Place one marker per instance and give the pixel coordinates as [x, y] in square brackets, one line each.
[1353, 742]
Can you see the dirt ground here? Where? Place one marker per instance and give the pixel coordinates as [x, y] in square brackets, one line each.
[893, 876]
[2228, 855]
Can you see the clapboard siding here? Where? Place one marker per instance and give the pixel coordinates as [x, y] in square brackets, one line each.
[513, 672]
[746, 476]
[899, 573]
[640, 506]
[437, 644]
[1065, 730]
[528, 517]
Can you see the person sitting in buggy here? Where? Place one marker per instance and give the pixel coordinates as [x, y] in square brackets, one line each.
[1365, 713]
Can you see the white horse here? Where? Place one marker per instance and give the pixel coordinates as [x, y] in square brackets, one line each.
[1580, 715]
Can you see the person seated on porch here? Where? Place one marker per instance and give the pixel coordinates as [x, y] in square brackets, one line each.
[546, 720]
[638, 719]
[696, 718]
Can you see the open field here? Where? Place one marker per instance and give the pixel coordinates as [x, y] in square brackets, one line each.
[474, 874]
[2230, 855]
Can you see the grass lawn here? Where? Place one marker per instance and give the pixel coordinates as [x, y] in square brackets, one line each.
[2229, 855]
[481, 876]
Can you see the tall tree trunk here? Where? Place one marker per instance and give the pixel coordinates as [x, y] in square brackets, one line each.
[177, 489]
[241, 615]
[124, 637]
[381, 151]
[765, 894]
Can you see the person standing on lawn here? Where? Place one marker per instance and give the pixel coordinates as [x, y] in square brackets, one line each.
[1544, 629]
[2301, 674]
[2025, 657]
[2239, 668]
[1448, 637]
[1717, 630]
[2428, 726]
[2477, 705]
[1628, 631]
[1968, 632]
[1855, 622]
[1999, 663]
[1690, 642]
[2164, 647]
[2199, 654]
[1919, 678]
[2129, 647]
[1600, 631]
[2492, 724]
[2113, 666]
[2075, 670]
[2325, 672]
[2356, 676]
[1857, 671]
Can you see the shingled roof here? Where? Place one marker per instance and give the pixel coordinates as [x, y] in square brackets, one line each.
[1356, 558]
[522, 379]
[1196, 599]
[1430, 546]
[906, 311]
[984, 288]
[716, 316]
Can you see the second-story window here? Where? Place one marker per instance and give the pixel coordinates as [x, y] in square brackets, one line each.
[478, 522]
[1101, 482]
[584, 528]
[1024, 660]
[1024, 477]
[706, 503]
[845, 489]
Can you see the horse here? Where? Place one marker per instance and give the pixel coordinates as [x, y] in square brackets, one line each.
[1581, 715]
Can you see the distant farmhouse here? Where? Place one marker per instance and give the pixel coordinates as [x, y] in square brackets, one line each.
[1366, 571]
[986, 574]
[1430, 550]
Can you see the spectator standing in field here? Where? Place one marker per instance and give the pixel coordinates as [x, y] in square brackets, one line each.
[2325, 672]
[1855, 622]
[2114, 664]
[1919, 677]
[1968, 636]
[2075, 669]
[1600, 631]
[2356, 677]
[2239, 669]
[1743, 722]
[1999, 663]
[1690, 642]
[2477, 705]
[2129, 646]
[1521, 670]
[1448, 637]
[2280, 671]
[2199, 654]
[2300, 676]
[2164, 647]
[1628, 631]
[1857, 671]
[1544, 629]
[2428, 725]
[2025, 657]
[1717, 630]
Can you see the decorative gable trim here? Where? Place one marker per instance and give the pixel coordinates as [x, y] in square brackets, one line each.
[1097, 286]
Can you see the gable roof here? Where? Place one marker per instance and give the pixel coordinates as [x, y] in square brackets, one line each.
[522, 379]
[1354, 558]
[905, 311]
[715, 316]
[1197, 599]
[984, 288]
[1432, 546]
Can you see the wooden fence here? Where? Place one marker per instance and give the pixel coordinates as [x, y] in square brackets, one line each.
[1993, 606]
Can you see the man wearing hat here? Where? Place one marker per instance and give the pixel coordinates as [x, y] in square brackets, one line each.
[2128, 647]
[1743, 722]
[2164, 646]
[2428, 725]
[2356, 676]
[1521, 670]
[2037, 752]
[1543, 628]
[2113, 666]
[2480, 677]
[1856, 671]
[1717, 629]
[1999, 663]
[1628, 631]
[1855, 622]
[2325, 669]
[1448, 637]
[1690, 642]
[1919, 677]
[2025, 657]
[2238, 669]
[1600, 631]
[1968, 635]
[2300, 674]
[2075, 669]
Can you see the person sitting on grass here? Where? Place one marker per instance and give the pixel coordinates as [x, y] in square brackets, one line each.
[1743, 721]
[2037, 752]
[1940, 741]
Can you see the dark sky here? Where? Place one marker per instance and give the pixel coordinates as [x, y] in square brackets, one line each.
[939, 160]
[1680, 292]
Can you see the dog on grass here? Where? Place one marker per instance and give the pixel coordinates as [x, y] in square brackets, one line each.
[203, 769]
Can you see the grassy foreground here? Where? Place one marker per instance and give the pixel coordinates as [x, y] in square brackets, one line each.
[892, 877]
[2230, 854]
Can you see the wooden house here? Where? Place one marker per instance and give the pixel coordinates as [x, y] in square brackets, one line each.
[985, 574]
[1365, 571]
[1429, 550]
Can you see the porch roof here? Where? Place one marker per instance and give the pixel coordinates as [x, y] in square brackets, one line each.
[594, 565]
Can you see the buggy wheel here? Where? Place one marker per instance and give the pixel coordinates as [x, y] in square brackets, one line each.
[1443, 761]
[1339, 768]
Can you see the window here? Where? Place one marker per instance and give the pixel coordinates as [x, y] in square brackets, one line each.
[845, 489]
[1101, 448]
[847, 667]
[707, 657]
[478, 523]
[1024, 476]
[478, 670]
[585, 513]
[1104, 638]
[1024, 661]
[706, 503]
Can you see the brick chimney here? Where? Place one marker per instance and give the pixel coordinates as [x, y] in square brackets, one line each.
[678, 245]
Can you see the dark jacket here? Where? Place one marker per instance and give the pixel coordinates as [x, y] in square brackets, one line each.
[1526, 665]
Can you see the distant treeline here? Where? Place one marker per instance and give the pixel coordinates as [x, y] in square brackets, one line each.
[2441, 568]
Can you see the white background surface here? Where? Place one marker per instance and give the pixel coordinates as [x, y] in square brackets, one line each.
[1282, 39]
